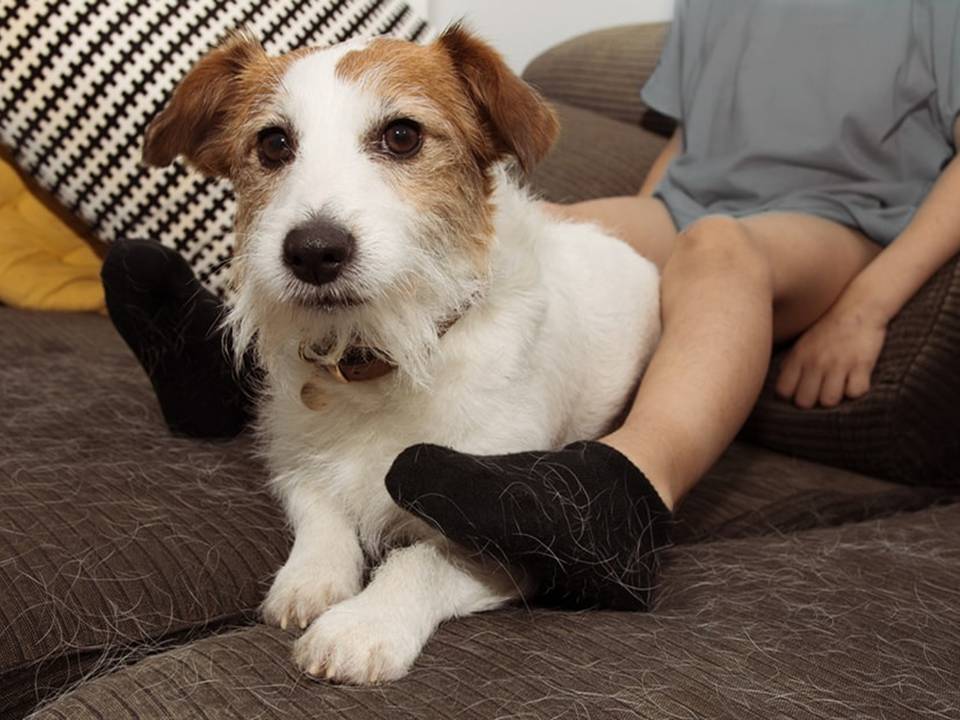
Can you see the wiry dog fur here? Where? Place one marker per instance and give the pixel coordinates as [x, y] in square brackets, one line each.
[554, 321]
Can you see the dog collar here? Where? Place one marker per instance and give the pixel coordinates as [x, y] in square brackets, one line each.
[358, 364]
[361, 364]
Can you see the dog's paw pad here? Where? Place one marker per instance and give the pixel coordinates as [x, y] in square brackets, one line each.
[354, 645]
[302, 592]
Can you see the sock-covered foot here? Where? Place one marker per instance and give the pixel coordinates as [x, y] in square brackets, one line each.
[583, 521]
[172, 324]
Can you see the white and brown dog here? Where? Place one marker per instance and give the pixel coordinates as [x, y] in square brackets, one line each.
[398, 288]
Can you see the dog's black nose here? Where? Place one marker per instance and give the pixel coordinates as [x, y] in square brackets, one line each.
[318, 250]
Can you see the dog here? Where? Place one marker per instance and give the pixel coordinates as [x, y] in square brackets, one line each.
[398, 286]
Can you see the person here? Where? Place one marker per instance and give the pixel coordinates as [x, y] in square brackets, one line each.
[809, 191]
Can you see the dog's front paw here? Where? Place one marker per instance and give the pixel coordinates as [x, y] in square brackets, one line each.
[303, 590]
[357, 644]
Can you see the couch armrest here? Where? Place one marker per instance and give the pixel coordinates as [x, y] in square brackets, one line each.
[604, 71]
[907, 428]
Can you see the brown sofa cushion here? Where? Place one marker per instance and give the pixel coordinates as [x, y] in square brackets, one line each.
[859, 621]
[908, 428]
[752, 492]
[595, 156]
[114, 536]
[117, 539]
[603, 71]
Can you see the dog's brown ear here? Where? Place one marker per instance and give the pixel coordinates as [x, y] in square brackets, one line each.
[520, 121]
[192, 123]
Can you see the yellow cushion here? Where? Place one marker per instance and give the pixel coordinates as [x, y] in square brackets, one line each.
[44, 265]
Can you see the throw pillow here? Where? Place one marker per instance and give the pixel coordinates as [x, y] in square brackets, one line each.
[82, 80]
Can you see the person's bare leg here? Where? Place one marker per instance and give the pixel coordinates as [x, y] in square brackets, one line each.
[728, 289]
[642, 222]
[587, 521]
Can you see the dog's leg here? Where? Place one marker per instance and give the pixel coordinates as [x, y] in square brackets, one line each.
[325, 565]
[376, 636]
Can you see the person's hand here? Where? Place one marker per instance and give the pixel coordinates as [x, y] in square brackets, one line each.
[833, 359]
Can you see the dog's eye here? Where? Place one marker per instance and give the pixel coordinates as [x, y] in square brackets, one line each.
[274, 147]
[402, 138]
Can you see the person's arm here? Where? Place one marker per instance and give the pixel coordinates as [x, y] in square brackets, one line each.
[660, 165]
[843, 346]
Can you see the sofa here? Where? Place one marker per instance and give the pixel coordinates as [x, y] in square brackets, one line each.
[816, 570]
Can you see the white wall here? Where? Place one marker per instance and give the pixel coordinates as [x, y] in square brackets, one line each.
[521, 29]
[421, 6]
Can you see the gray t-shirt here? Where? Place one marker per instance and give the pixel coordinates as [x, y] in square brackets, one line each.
[843, 109]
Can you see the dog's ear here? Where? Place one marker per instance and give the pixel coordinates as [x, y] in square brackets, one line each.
[520, 121]
[193, 122]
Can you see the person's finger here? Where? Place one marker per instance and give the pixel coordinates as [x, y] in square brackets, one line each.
[789, 376]
[858, 384]
[831, 390]
[808, 389]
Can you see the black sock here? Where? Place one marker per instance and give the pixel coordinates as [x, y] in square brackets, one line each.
[172, 324]
[583, 521]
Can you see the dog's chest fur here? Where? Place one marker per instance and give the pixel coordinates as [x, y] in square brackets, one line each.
[548, 355]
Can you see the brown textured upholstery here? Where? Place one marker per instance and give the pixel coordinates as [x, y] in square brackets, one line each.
[113, 535]
[860, 621]
[603, 71]
[595, 156]
[753, 492]
[908, 428]
[117, 539]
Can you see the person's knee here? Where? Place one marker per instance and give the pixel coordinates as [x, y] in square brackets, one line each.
[719, 243]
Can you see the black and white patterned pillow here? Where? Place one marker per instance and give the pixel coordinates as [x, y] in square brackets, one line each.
[82, 78]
